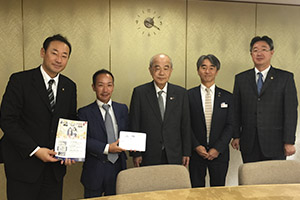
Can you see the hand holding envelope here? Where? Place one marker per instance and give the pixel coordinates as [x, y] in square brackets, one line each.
[133, 141]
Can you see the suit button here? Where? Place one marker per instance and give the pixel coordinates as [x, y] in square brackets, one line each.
[258, 99]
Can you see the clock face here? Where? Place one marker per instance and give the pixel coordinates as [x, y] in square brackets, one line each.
[149, 22]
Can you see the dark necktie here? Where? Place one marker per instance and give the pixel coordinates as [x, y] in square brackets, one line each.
[161, 104]
[51, 94]
[259, 82]
[112, 157]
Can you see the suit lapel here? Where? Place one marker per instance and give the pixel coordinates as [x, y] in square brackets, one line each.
[199, 106]
[217, 103]
[117, 115]
[251, 78]
[152, 99]
[98, 116]
[39, 85]
[170, 101]
[269, 79]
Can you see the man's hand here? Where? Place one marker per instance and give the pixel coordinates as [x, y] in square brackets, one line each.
[235, 143]
[114, 148]
[212, 154]
[46, 155]
[137, 161]
[201, 151]
[289, 149]
[67, 162]
[185, 161]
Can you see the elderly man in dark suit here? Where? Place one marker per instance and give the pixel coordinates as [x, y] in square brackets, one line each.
[104, 158]
[33, 102]
[265, 102]
[161, 110]
[212, 119]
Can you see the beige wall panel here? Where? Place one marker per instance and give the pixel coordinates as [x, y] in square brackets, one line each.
[11, 58]
[132, 48]
[84, 23]
[222, 29]
[282, 24]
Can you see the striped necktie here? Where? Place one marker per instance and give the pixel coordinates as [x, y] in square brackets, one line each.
[208, 111]
[51, 94]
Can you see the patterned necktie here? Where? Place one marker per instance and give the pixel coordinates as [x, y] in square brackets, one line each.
[259, 82]
[161, 104]
[112, 157]
[208, 111]
[51, 94]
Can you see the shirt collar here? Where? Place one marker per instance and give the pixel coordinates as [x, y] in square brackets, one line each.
[47, 77]
[212, 88]
[264, 72]
[157, 89]
[100, 103]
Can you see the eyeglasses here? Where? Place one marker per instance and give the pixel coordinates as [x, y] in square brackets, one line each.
[255, 51]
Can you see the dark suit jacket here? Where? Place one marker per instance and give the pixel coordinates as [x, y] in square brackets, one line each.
[272, 114]
[174, 132]
[27, 122]
[93, 168]
[221, 123]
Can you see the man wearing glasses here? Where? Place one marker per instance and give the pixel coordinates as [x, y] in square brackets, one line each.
[265, 102]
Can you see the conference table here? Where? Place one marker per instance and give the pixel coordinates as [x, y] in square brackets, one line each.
[253, 192]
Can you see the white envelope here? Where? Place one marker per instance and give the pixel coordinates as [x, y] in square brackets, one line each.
[132, 141]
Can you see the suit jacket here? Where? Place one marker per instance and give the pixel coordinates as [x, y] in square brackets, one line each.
[221, 122]
[27, 122]
[93, 167]
[174, 132]
[272, 114]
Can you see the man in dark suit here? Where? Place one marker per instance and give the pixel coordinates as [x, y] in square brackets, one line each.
[30, 112]
[99, 170]
[161, 110]
[265, 102]
[212, 120]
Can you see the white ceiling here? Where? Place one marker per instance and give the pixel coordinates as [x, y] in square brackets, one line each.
[290, 2]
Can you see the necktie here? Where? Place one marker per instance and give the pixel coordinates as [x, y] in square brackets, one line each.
[51, 94]
[259, 82]
[112, 157]
[208, 111]
[161, 104]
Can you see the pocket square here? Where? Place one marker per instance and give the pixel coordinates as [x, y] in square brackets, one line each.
[224, 105]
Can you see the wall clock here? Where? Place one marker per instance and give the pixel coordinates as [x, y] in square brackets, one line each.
[149, 22]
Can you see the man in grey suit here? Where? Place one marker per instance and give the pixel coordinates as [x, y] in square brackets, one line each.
[161, 110]
[265, 102]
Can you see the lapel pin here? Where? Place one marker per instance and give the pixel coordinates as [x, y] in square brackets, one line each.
[272, 77]
[219, 94]
[172, 98]
[63, 89]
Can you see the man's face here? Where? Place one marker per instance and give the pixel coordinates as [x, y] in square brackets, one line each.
[261, 54]
[207, 72]
[104, 87]
[161, 70]
[55, 58]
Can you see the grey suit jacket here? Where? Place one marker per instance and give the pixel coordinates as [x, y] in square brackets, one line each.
[272, 114]
[174, 133]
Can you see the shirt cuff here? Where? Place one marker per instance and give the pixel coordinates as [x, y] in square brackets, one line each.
[106, 149]
[34, 151]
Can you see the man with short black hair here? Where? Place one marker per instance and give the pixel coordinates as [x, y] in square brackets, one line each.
[32, 104]
[211, 111]
[265, 102]
[104, 158]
